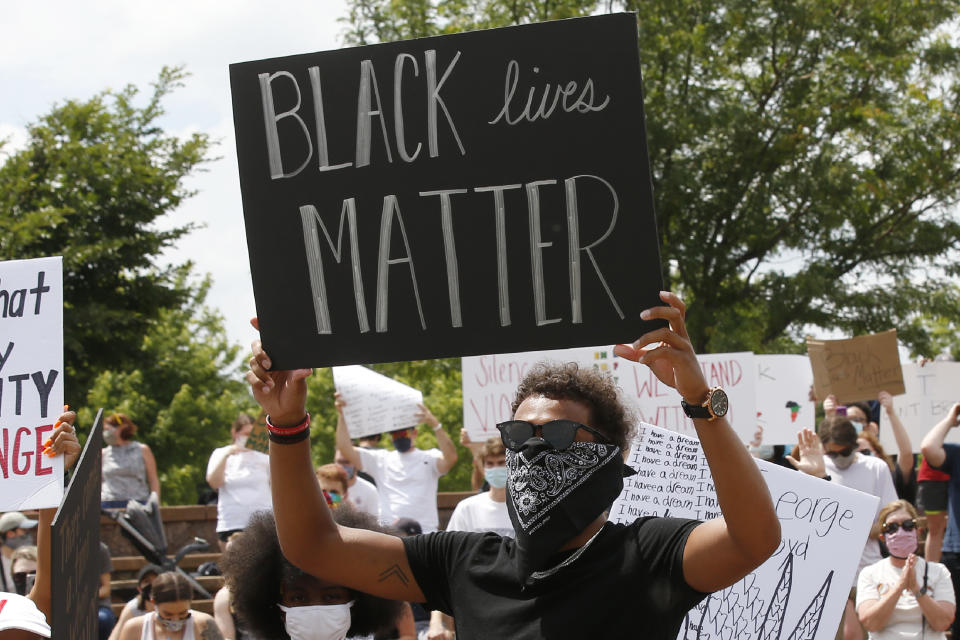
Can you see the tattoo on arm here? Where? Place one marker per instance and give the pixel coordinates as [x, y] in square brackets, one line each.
[394, 572]
[211, 631]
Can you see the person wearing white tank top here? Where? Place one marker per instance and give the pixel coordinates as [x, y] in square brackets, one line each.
[172, 617]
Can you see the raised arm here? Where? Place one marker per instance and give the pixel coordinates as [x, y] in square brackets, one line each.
[904, 446]
[720, 551]
[932, 445]
[447, 448]
[344, 443]
[367, 561]
[153, 480]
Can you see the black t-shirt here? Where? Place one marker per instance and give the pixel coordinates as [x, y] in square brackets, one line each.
[628, 583]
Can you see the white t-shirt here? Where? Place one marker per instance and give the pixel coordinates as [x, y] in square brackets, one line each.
[870, 475]
[246, 487]
[906, 619]
[365, 497]
[481, 513]
[407, 483]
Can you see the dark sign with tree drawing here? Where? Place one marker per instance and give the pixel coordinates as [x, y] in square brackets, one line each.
[75, 547]
[484, 192]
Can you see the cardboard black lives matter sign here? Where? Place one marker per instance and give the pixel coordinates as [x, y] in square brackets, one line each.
[75, 547]
[485, 192]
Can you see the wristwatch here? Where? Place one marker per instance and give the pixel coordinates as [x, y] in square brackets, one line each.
[715, 406]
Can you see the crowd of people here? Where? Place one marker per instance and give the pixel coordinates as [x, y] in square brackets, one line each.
[353, 547]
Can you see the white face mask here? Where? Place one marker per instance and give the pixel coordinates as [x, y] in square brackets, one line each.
[242, 441]
[317, 622]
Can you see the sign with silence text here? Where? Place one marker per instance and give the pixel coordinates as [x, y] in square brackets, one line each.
[472, 193]
[490, 384]
[800, 591]
[31, 381]
[856, 368]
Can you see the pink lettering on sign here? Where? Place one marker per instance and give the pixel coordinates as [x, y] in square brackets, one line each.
[492, 372]
[722, 374]
[19, 460]
[494, 408]
[648, 386]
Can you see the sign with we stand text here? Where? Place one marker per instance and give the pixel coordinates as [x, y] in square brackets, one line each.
[484, 192]
[31, 381]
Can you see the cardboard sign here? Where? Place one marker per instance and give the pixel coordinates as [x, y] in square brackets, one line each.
[783, 399]
[463, 194]
[75, 547]
[931, 390]
[374, 402]
[800, 591]
[490, 384]
[857, 368]
[31, 381]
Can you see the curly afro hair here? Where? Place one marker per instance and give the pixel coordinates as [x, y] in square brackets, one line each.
[254, 569]
[591, 387]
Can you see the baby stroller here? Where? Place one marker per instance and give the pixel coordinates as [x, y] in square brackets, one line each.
[142, 526]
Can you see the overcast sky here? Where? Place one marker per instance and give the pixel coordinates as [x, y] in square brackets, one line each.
[51, 51]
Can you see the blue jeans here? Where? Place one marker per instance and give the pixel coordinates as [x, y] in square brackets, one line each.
[105, 622]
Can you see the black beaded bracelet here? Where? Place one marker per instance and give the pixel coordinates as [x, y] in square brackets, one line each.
[291, 439]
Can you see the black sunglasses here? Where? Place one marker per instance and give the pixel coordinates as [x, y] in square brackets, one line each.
[891, 527]
[559, 434]
[841, 454]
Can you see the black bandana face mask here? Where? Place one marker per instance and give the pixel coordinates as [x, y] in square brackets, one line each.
[552, 496]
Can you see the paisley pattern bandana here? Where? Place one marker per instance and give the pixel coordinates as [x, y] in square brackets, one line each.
[552, 496]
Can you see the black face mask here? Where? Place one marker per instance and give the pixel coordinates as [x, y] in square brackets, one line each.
[554, 495]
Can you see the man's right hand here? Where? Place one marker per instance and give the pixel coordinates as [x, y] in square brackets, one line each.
[282, 394]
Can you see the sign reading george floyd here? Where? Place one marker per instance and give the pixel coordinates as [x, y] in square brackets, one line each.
[484, 192]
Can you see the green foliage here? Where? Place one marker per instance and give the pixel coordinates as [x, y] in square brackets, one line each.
[90, 185]
[183, 394]
[805, 155]
[439, 380]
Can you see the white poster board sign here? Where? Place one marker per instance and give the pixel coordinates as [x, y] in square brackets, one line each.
[783, 397]
[31, 381]
[490, 383]
[930, 392]
[374, 402]
[801, 590]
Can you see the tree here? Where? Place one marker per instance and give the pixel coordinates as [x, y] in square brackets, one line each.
[184, 393]
[90, 185]
[805, 155]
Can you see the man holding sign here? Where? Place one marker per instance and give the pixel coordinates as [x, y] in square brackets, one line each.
[649, 572]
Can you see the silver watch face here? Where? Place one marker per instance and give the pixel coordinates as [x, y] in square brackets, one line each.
[719, 403]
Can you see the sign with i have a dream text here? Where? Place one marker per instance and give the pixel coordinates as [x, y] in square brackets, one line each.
[484, 192]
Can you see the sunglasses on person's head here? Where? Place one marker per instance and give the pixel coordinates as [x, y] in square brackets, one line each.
[843, 453]
[892, 527]
[559, 434]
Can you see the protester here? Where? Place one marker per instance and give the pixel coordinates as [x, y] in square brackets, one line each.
[483, 512]
[129, 470]
[932, 491]
[406, 477]
[171, 618]
[25, 618]
[139, 605]
[276, 600]
[834, 455]
[16, 531]
[946, 457]
[363, 493]
[904, 596]
[773, 453]
[105, 618]
[569, 570]
[242, 476]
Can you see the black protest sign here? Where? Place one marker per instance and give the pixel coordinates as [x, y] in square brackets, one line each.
[75, 547]
[484, 192]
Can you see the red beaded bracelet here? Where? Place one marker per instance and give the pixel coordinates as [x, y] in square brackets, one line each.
[288, 431]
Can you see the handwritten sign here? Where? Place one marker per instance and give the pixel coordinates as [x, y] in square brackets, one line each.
[857, 368]
[490, 383]
[462, 194]
[31, 381]
[800, 591]
[783, 399]
[931, 390]
[375, 403]
[75, 547]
